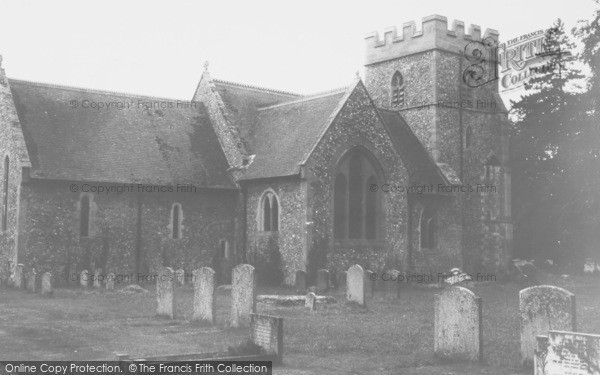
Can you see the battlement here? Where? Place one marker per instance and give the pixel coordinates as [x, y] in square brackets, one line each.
[434, 34]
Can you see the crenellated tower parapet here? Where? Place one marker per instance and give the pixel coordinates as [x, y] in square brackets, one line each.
[434, 34]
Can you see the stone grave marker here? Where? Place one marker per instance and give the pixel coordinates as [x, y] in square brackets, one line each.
[300, 283]
[458, 330]
[110, 281]
[311, 301]
[204, 294]
[165, 293]
[561, 353]
[322, 281]
[84, 278]
[180, 273]
[267, 332]
[31, 285]
[47, 284]
[97, 276]
[355, 285]
[243, 295]
[544, 308]
[20, 276]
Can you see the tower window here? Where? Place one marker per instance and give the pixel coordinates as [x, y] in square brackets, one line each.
[5, 195]
[176, 215]
[397, 90]
[428, 229]
[269, 213]
[84, 216]
[356, 207]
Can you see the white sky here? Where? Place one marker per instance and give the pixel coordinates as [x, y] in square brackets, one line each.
[159, 47]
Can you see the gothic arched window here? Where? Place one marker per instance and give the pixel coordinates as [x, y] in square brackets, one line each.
[269, 213]
[356, 207]
[84, 216]
[176, 215]
[428, 229]
[5, 195]
[397, 90]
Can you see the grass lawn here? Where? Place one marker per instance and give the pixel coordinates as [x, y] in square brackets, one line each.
[391, 336]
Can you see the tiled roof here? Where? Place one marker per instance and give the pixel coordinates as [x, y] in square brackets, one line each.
[284, 133]
[131, 144]
[421, 167]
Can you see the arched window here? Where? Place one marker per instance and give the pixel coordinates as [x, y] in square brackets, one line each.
[84, 216]
[269, 213]
[468, 137]
[5, 195]
[176, 215]
[224, 249]
[397, 90]
[356, 207]
[428, 229]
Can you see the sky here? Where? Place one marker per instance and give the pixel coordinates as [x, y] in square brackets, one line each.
[159, 48]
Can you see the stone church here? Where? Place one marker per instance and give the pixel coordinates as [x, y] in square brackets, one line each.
[406, 169]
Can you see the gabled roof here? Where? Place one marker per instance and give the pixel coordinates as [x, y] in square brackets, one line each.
[162, 144]
[284, 133]
[421, 167]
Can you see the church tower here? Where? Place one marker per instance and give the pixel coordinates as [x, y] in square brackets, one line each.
[444, 83]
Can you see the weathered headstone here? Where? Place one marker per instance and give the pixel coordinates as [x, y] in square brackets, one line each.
[97, 277]
[267, 332]
[110, 281]
[20, 276]
[180, 273]
[561, 353]
[322, 281]
[369, 284]
[84, 278]
[458, 330]
[355, 285]
[31, 285]
[391, 283]
[544, 308]
[300, 284]
[311, 301]
[165, 292]
[47, 284]
[243, 295]
[204, 294]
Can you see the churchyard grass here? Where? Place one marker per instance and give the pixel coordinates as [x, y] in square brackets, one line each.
[389, 336]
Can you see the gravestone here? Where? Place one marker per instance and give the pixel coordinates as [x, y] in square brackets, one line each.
[243, 295]
[355, 285]
[180, 274]
[31, 280]
[47, 284]
[369, 284]
[458, 330]
[341, 280]
[204, 294]
[165, 293]
[20, 276]
[110, 281]
[300, 283]
[391, 283]
[572, 353]
[267, 332]
[97, 276]
[311, 301]
[322, 281]
[84, 278]
[544, 308]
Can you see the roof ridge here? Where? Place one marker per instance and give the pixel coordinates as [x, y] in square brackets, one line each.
[96, 91]
[247, 86]
[323, 94]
